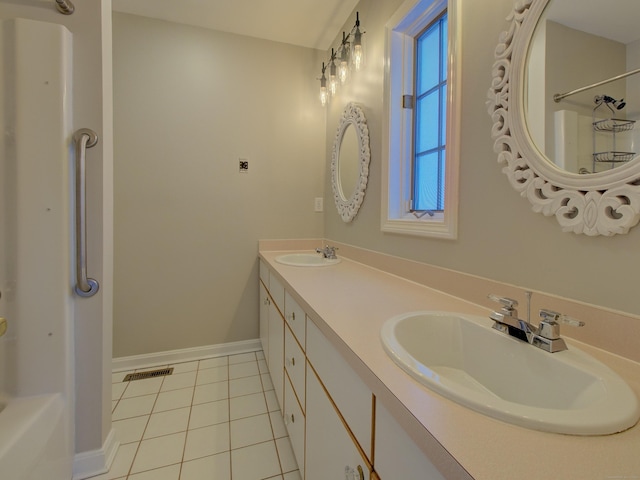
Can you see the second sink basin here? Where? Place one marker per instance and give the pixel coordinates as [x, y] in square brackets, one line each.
[464, 359]
[306, 260]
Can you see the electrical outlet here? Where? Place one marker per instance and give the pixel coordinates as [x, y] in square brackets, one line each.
[244, 165]
[319, 204]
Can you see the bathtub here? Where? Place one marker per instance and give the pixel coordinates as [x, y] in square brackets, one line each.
[29, 431]
[36, 352]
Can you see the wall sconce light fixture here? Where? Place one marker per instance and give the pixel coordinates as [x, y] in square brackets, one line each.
[350, 54]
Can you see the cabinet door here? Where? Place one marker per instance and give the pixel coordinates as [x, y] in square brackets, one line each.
[276, 351]
[397, 456]
[330, 451]
[264, 321]
[351, 395]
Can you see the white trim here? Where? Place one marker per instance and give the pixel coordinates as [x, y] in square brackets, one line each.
[96, 462]
[399, 30]
[184, 355]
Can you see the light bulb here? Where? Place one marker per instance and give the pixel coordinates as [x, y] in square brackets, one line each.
[343, 70]
[357, 56]
[333, 78]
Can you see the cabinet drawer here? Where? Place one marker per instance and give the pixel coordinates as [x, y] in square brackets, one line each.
[295, 423]
[277, 291]
[294, 364]
[295, 317]
[350, 394]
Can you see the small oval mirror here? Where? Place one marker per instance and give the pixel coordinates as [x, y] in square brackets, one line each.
[350, 162]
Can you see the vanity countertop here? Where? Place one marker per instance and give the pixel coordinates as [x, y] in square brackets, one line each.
[350, 301]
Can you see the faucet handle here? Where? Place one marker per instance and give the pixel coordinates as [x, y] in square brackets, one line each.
[550, 323]
[506, 302]
[551, 316]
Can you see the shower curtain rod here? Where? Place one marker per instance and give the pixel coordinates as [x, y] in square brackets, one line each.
[559, 96]
[65, 7]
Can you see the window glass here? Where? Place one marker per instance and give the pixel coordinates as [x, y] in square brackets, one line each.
[430, 117]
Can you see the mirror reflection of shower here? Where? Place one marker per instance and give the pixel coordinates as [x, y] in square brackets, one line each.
[610, 149]
[571, 59]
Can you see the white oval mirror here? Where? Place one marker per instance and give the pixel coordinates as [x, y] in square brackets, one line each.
[606, 202]
[350, 162]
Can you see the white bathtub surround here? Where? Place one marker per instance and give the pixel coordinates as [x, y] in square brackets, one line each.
[36, 426]
[458, 441]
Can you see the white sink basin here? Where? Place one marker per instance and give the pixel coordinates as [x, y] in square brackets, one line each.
[462, 358]
[306, 260]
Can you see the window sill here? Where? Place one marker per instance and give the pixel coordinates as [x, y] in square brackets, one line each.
[437, 226]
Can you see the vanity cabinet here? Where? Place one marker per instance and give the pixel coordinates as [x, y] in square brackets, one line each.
[329, 412]
[272, 328]
[338, 405]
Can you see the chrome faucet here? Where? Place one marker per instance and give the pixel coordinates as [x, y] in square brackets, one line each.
[328, 252]
[545, 336]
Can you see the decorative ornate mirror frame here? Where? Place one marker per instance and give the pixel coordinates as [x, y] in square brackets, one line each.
[605, 203]
[348, 207]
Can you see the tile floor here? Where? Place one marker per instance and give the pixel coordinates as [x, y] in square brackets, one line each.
[212, 419]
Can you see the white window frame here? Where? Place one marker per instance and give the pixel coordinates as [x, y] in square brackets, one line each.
[401, 30]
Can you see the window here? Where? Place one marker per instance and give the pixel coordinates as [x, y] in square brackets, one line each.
[429, 118]
[423, 120]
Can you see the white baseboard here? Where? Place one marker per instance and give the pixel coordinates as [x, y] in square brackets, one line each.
[184, 355]
[96, 462]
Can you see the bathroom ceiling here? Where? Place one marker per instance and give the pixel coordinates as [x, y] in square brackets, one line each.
[617, 20]
[308, 23]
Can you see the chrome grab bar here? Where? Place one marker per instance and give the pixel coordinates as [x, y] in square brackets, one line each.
[85, 287]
